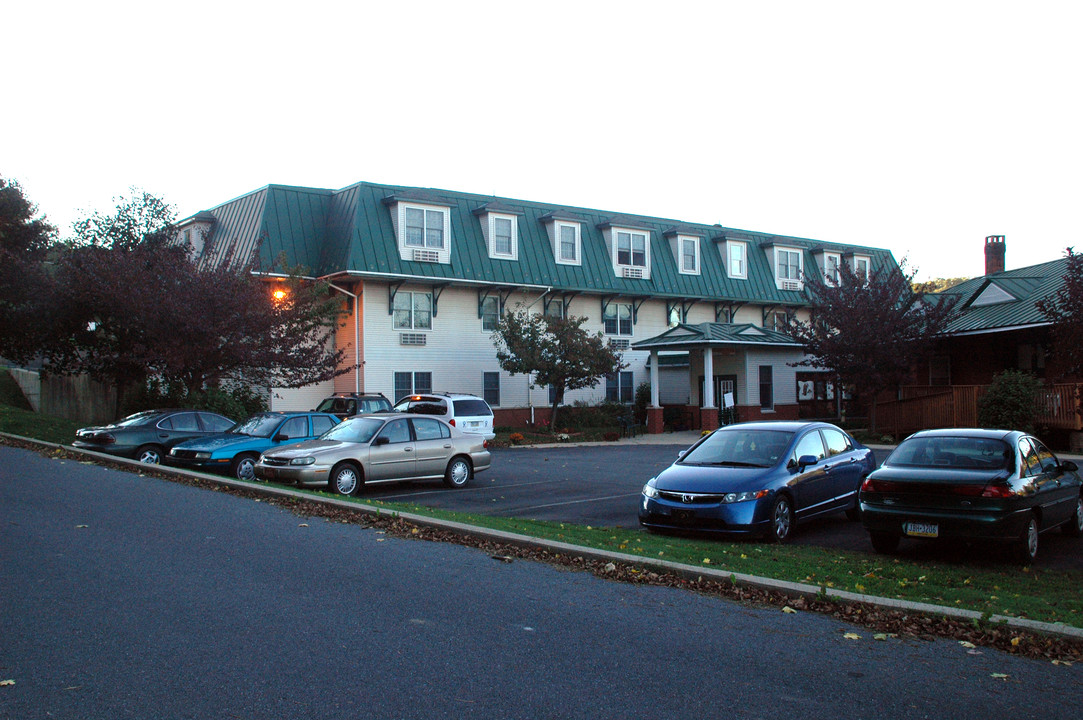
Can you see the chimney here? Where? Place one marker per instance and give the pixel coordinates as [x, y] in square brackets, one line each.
[994, 254]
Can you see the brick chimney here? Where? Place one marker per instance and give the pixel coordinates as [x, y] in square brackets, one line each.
[994, 254]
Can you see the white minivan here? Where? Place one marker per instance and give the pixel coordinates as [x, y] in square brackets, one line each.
[469, 413]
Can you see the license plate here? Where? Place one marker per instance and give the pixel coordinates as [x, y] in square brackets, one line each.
[270, 472]
[922, 529]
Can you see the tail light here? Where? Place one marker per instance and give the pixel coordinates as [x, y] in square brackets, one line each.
[997, 490]
[879, 486]
[451, 421]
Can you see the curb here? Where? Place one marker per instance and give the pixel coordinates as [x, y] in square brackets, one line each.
[687, 571]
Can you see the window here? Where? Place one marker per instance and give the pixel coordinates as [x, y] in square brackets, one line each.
[736, 253]
[689, 256]
[552, 395]
[424, 228]
[491, 385]
[555, 309]
[788, 263]
[831, 267]
[396, 431]
[674, 315]
[296, 427]
[429, 429]
[779, 320]
[490, 313]
[413, 311]
[837, 442]
[618, 387]
[632, 249]
[767, 390]
[568, 244]
[412, 383]
[617, 319]
[502, 236]
[215, 423]
[321, 424]
[811, 444]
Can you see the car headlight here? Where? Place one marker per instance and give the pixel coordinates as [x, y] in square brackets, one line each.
[743, 496]
[649, 490]
[203, 456]
[302, 461]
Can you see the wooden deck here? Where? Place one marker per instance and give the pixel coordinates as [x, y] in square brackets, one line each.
[921, 407]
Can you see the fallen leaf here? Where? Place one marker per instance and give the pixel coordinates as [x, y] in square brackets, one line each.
[883, 636]
[999, 676]
[1016, 640]
[852, 636]
[6, 682]
[503, 558]
[788, 609]
[1065, 663]
[303, 525]
[966, 644]
[82, 526]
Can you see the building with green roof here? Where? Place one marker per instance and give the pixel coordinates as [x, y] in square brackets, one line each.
[426, 273]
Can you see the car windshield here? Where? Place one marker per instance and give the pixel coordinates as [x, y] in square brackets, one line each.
[259, 426]
[739, 447]
[354, 430]
[967, 453]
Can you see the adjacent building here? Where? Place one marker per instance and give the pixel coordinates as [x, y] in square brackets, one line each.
[425, 274]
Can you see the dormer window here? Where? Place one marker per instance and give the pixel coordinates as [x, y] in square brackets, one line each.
[861, 267]
[566, 236]
[629, 248]
[500, 227]
[737, 259]
[831, 264]
[689, 255]
[423, 229]
[788, 267]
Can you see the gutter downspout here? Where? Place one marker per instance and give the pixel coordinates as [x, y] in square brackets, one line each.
[356, 335]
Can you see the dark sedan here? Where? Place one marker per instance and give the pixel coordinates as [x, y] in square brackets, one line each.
[147, 436]
[962, 485]
[758, 478]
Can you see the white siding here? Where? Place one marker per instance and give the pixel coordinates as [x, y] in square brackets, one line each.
[784, 377]
[302, 398]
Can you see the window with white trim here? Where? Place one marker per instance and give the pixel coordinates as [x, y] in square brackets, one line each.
[617, 319]
[861, 267]
[736, 259]
[632, 249]
[423, 231]
[412, 311]
[423, 228]
[568, 243]
[503, 234]
[831, 267]
[689, 251]
[788, 268]
[412, 383]
[618, 387]
[491, 387]
[490, 313]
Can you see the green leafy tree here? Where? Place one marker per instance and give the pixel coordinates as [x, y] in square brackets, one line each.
[25, 241]
[124, 309]
[870, 331]
[1010, 402]
[557, 351]
[1065, 311]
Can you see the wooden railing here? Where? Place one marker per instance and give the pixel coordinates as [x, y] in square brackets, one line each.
[922, 407]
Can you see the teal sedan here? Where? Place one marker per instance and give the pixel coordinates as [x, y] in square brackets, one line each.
[237, 451]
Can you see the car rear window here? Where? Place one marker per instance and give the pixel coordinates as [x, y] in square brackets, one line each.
[967, 453]
[423, 406]
[468, 408]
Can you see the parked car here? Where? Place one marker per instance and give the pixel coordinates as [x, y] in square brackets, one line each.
[963, 484]
[379, 448]
[758, 478]
[469, 413]
[346, 405]
[147, 436]
[237, 451]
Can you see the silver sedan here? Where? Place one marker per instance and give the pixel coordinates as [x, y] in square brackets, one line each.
[385, 447]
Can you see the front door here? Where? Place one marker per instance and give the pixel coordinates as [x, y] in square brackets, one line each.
[393, 458]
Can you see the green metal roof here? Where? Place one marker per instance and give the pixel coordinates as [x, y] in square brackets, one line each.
[712, 334]
[1012, 295]
[350, 231]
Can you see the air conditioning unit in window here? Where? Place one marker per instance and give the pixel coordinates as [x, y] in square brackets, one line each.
[620, 344]
[791, 284]
[412, 338]
[633, 272]
[426, 256]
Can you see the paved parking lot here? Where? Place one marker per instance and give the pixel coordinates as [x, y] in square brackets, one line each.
[599, 485]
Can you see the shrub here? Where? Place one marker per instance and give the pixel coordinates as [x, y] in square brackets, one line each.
[594, 416]
[516, 438]
[237, 403]
[1010, 402]
[643, 399]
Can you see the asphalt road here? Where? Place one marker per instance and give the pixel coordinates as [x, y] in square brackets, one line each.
[600, 485]
[132, 597]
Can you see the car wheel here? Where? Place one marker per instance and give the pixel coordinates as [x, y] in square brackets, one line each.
[1074, 526]
[1027, 544]
[781, 519]
[458, 472]
[884, 543]
[150, 454]
[345, 479]
[243, 467]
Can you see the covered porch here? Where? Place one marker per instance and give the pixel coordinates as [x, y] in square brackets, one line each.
[750, 366]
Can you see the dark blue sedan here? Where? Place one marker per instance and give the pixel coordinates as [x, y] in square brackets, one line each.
[758, 478]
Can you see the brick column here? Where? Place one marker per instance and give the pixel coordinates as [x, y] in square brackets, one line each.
[654, 420]
[709, 419]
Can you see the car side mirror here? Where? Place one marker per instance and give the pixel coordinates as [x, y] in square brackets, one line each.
[280, 437]
[1068, 466]
[680, 454]
[805, 460]
[381, 440]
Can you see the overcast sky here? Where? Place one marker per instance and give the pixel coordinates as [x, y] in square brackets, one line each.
[920, 127]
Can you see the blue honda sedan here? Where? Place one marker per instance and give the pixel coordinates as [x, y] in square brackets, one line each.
[237, 451]
[758, 478]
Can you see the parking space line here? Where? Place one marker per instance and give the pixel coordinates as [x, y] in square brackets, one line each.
[460, 491]
[577, 502]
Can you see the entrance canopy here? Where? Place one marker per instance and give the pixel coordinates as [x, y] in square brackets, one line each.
[705, 335]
